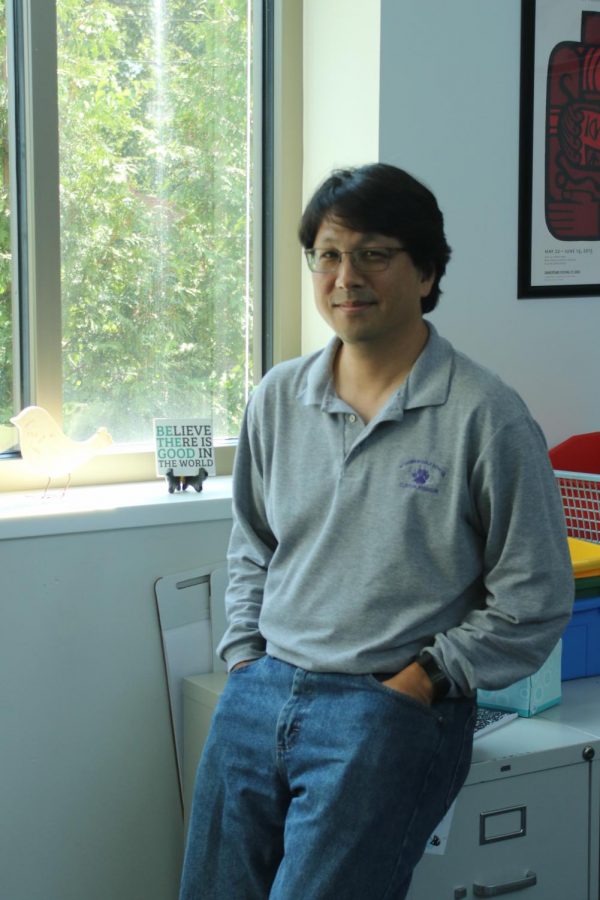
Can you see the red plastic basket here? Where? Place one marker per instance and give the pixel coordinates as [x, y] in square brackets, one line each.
[580, 494]
[579, 453]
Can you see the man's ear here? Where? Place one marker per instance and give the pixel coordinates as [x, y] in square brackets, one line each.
[427, 280]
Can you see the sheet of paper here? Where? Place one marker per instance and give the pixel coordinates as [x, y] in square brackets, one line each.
[439, 838]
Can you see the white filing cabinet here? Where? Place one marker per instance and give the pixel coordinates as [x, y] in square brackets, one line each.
[527, 821]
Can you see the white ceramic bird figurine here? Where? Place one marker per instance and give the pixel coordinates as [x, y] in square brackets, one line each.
[45, 447]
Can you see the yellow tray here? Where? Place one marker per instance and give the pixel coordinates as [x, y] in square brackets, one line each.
[585, 558]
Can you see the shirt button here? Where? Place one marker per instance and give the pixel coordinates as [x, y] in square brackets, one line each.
[352, 418]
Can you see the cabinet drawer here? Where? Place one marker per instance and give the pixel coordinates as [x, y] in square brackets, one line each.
[527, 833]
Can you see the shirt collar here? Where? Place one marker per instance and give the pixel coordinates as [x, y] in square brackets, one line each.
[318, 389]
[428, 382]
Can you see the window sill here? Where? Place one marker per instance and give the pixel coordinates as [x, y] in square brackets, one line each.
[119, 464]
[25, 514]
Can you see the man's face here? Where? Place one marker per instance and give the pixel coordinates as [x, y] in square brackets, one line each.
[377, 306]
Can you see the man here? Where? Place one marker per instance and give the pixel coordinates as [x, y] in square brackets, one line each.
[398, 542]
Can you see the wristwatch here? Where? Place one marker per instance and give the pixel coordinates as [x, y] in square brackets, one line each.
[439, 680]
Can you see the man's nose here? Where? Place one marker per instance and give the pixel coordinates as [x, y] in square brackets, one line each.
[347, 274]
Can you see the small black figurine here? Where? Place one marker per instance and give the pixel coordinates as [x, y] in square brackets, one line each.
[182, 482]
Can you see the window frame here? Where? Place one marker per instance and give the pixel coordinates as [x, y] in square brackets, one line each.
[35, 220]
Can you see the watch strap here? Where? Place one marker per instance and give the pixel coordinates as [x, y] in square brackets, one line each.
[438, 678]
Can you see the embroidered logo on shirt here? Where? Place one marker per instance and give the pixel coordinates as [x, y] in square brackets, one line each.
[422, 475]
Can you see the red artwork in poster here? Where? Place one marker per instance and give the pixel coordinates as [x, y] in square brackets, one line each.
[572, 202]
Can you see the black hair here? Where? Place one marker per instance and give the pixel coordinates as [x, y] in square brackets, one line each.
[382, 199]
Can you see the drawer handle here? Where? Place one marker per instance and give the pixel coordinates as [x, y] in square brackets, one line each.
[494, 890]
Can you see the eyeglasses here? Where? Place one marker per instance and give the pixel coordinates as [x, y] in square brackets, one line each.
[364, 259]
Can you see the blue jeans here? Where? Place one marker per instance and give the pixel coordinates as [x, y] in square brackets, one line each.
[318, 786]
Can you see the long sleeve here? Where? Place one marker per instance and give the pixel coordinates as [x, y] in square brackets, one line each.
[250, 551]
[527, 574]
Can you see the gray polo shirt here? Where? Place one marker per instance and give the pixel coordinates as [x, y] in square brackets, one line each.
[437, 523]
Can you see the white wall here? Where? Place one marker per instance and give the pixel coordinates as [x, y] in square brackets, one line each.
[450, 115]
[341, 107]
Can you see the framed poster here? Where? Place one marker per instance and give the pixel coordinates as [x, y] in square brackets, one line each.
[559, 170]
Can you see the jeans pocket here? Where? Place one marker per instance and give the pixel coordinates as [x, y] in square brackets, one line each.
[399, 696]
[248, 665]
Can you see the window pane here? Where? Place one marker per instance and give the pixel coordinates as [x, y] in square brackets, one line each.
[154, 121]
[6, 359]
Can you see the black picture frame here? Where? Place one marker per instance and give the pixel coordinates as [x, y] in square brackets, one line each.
[559, 151]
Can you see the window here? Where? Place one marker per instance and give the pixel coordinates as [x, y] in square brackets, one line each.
[137, 129]
[6, 348]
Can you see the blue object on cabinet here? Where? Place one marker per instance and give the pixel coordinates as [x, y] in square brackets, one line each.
[581, 640]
